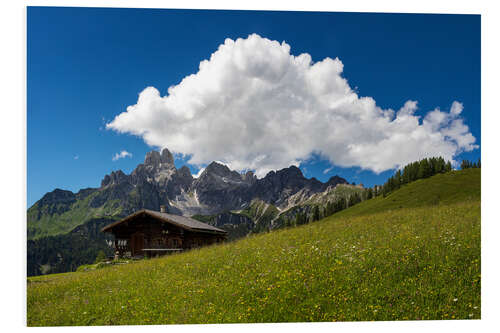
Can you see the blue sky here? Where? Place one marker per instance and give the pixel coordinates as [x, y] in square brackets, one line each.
[86, 65]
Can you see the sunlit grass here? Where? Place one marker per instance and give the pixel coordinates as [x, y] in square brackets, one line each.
[441, 189]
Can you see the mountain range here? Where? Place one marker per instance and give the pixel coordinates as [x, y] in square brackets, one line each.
[240, 203]
[158, 182]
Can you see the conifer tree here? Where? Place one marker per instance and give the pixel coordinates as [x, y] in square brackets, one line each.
[424, 169]
[448, 166]
[440, 165]
[316, 214]
[465, 164]
[397, 179]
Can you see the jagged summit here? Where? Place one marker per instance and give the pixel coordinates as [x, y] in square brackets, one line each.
[152, 158]
[57, 196]
[155, 159]
[334, 180]
[290, 172]
[217, 168]
[250, 177]
[167, 157]
[221, 170]
[115, 177]
[184, 171]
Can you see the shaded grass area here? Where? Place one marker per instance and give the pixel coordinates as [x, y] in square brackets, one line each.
[410, 263]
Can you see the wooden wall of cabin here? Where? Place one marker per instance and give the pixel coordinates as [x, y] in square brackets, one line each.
[153, 233]
[199, 239]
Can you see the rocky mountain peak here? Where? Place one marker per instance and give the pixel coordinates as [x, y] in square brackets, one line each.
[333, 181]
[57, 196]
[153, 158]
[291, 171]
[55, 202]
[249, 177]
[167, 157]
[218, 169]
[283, 175]
[115, 177]
[184, 172]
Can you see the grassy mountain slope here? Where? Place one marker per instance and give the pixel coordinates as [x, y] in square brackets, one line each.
[42, 222]
[374, 261]
[441, 189]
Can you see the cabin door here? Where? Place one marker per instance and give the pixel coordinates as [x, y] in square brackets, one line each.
[137, 243]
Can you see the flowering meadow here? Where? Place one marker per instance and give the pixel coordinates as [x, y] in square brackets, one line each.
[401, 259]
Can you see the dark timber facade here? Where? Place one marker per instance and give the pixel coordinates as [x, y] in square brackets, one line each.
[151, 233]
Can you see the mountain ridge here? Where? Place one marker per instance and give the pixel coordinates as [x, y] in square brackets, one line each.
[157, 182]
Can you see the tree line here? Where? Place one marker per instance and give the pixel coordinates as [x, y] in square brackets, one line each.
[424, 168]
[466, 164]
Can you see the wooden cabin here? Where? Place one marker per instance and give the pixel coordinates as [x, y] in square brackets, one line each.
[152, 233]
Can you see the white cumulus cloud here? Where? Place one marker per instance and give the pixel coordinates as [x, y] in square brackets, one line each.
[254, 105]
[121, 154]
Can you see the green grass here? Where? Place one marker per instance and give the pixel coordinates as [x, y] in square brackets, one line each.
[442, 189]
[421, 261]
[102, 264]
[79, 213]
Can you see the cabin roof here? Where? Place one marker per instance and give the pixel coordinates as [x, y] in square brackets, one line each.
[183, 222]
